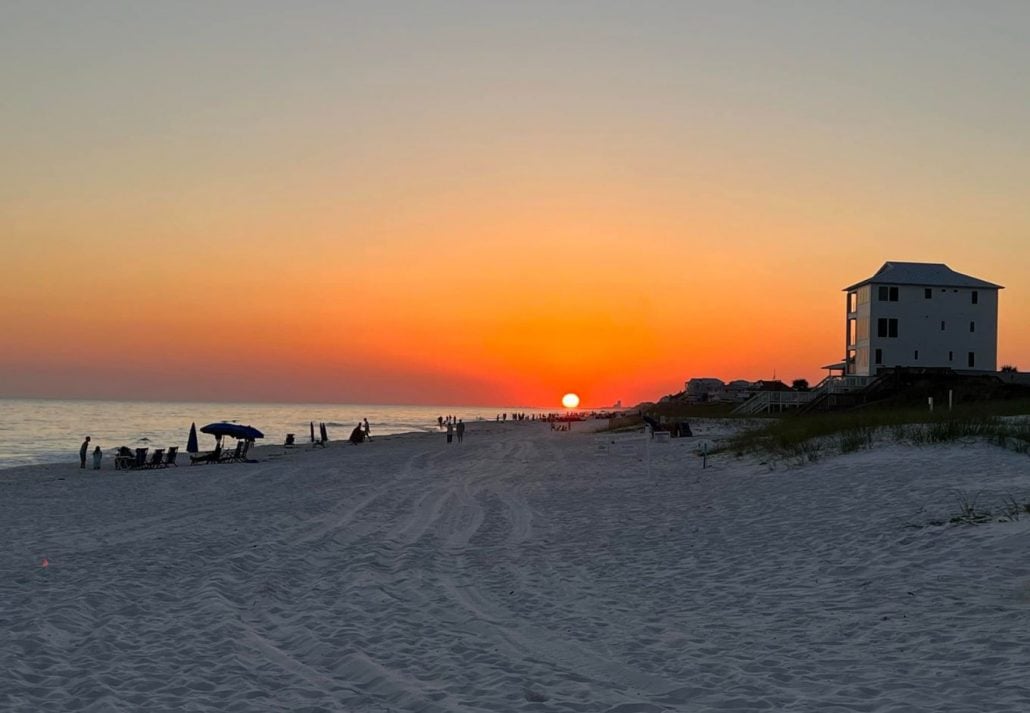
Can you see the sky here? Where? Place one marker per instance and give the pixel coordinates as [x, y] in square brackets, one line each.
[490, 203]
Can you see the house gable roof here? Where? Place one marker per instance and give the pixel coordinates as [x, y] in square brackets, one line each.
[929, 274]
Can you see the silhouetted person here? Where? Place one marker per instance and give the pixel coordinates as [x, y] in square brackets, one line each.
[460, 430]
[450, 431]
[357, 435]
[97, 457]
[82, 452]
[367, 430]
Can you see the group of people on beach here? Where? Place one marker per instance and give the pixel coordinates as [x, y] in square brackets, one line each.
[361, 432]
[98, 455]
[453, 427]
[515, 417]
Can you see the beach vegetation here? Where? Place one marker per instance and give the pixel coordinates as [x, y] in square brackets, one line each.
[971, 510]
[978, 508]
[793, 436]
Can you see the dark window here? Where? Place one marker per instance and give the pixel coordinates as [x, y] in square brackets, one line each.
[881, 294]
[972, 326]
[915, 355]
[972, 360]
[881, 327]
[928, 293]
[879, 356]
[887, 294]
[894, 294]
[950, 355]
[892, 328]
[976, 297]
[942, 325]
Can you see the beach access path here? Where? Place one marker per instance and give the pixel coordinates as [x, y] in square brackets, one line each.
[524, 570]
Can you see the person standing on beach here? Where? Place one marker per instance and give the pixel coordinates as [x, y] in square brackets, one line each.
[368, 431]
[82, 452]
[460, 430]
[450, 431]
[98, 455]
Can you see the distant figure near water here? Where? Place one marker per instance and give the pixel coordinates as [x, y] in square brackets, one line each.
[450, 431]
[357, 435]
[97, 457]
[82, 452]
[367, 430]
[460, 430]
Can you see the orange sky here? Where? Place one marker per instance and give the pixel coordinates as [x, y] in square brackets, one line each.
[487, 208]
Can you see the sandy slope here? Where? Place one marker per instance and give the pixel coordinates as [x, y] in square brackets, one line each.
[526, 570]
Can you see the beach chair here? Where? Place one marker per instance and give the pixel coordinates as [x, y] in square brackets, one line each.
[156, 458]
[140, 461]
[234, 457]
[211, 457]
[124, 459]
[170, 456]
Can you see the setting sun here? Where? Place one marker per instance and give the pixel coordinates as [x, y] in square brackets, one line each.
[570, 400]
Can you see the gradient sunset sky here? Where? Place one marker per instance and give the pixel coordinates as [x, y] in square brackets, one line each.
[490, 203]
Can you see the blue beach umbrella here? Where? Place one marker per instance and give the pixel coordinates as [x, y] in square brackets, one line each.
[191, 442]
[234, 430]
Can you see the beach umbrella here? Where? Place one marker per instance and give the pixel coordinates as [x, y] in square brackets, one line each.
[312, 431]
[322, 431]
[191, 442]
[232, 429]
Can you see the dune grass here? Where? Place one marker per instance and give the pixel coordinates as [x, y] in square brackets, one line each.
[809, 436]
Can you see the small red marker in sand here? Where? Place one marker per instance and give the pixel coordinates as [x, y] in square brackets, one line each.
[45, 563]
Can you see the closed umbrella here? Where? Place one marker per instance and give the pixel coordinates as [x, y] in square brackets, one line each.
[325, 434]
[312, 431]
[191, 442]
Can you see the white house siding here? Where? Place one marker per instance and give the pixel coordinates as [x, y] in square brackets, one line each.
[920, 340]
[857, 335]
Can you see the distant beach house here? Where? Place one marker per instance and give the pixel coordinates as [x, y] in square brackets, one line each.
[703, 389]
[914, 314]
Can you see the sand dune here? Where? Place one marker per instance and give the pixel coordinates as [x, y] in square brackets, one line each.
[526, 570]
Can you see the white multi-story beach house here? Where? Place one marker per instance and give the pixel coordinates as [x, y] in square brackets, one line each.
[914, 314]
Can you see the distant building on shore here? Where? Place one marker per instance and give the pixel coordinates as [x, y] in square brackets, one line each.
[913, 314]
[701, 390]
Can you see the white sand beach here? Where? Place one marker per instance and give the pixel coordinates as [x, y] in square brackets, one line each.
[524, 570]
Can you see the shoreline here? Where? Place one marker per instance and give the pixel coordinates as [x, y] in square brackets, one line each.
[261, 452]
[34, 432]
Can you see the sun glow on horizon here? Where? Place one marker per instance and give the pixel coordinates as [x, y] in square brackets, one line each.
[621, 212]
[570, 400]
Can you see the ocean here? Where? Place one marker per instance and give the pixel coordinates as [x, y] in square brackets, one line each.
[36, 431]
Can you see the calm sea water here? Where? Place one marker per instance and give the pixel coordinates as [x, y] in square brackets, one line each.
[48, 431]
